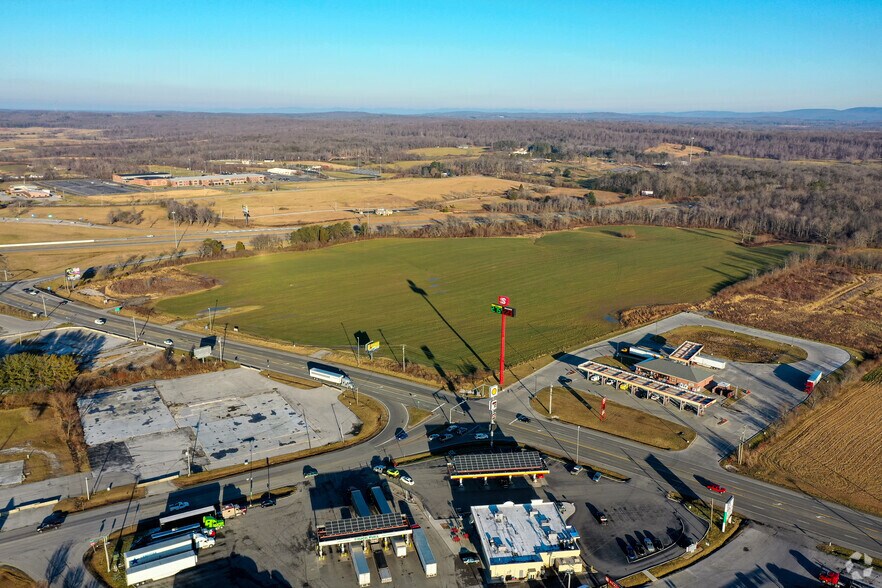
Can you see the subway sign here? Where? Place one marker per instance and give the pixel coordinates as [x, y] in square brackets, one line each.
[504, 310]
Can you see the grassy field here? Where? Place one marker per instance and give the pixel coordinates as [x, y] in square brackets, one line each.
[736, 346]
[581, 408]
[433, 294]
[833, 451]
[35, 432]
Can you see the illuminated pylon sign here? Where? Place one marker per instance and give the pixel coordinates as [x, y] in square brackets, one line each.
[502, 308]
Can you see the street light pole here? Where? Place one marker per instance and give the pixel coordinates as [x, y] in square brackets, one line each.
[175, 225]
[578, 429]
[45, 314]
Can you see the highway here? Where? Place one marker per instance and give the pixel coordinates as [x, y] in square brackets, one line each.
[658, 470]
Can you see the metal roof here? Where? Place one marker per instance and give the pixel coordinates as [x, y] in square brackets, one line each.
[636, 380]
[363, 525]
[216, 177]
[676, 369]
[686, 351]
[487, 463]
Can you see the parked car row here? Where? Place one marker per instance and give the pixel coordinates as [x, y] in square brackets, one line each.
[451, 432]
[635, 548]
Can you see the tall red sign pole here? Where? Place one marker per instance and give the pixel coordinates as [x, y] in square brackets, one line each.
[505, 310]
[503, 301]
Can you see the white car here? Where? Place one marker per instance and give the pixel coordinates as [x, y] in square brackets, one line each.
[168, 342]
[481, 436]
[100, 321]
[178, 506]
[407, 480]
[575, 469]
[595, 378]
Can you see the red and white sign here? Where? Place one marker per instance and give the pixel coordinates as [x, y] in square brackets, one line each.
[503, 300]
[611, 583]
[603, 409]
[493, 404]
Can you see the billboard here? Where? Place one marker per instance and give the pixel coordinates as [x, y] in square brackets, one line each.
[73, 273]
[371, 346]
[202, 352]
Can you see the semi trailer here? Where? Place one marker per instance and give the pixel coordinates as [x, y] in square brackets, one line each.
[332, 377]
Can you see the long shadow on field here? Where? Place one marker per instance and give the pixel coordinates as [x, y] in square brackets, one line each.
[417, 290]
[431, 357]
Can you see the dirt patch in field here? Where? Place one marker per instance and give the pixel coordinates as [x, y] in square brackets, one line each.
[833, 450]
[167, 282]
[816, 301]
[11, 577]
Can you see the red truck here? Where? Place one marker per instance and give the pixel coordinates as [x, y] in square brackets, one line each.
[813, 381]
[831, 578]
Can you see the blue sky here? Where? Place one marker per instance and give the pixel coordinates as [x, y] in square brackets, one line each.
[414, 56]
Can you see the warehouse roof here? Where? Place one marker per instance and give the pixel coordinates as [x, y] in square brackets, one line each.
[216, 177]
[676, 369]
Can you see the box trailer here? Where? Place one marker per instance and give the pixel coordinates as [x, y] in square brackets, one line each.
[382, 567]
[813, 381]
[640, 352]
[359, 505]
[331, 377]
[160, 568]
[380, 500]
[158, 550]
[709, 361]
[424, 552]
[359, 563]
[399, 545]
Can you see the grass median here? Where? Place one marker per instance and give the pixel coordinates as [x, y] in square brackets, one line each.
[583, 409]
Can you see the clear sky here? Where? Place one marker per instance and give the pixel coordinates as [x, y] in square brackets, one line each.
[590, 55]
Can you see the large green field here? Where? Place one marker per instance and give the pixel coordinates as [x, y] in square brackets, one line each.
[434, 295]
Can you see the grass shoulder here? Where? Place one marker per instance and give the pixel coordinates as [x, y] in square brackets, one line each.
[581, 408]
[416, 415]
[735, 346]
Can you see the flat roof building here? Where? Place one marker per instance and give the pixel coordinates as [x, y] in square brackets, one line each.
[217, 180]
[518, 541]
[675, 372]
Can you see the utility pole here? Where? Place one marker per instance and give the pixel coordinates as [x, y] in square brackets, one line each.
[403, 362]
[86, 481]
[45, 314]
[135, 328]
[578, 429]
[175, 225]
[106, 555]
[691, 141]
[550, 398]
[189, 467]
[741, 445]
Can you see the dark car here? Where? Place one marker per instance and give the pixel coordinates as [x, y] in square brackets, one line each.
[658, 544]
[268, 502]
[401, 435]
[522, 417]
[641, 551]
[630, 552]
[52, 522]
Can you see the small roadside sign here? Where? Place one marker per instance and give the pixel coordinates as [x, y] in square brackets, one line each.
[494, 390]
[493, 403]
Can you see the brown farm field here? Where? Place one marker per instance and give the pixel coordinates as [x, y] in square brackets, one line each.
[812, 300]
[833, 451]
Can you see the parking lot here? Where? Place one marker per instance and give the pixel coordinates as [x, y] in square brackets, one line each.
[225, 417]
[89, 187]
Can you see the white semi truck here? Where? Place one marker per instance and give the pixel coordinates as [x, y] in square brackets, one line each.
[332, 377]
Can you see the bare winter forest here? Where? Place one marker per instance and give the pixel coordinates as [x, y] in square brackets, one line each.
[811, 183]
